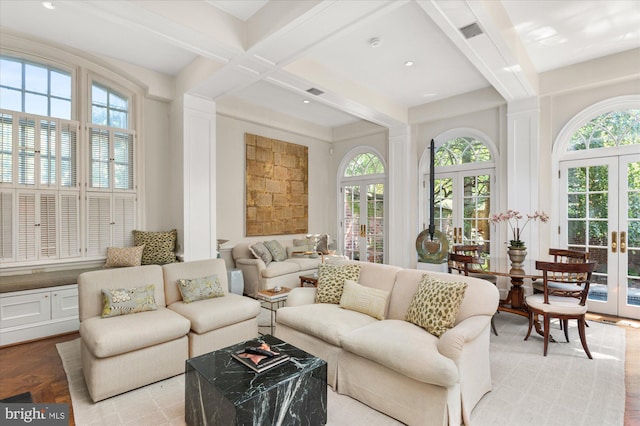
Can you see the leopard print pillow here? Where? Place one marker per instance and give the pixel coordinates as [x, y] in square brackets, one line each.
[435, 305]
[331, 280]
[159, 247]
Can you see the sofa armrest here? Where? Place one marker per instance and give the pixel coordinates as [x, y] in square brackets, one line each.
[301, 296]
[251, 273]
[452, 342]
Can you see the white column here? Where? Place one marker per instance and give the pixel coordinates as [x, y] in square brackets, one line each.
[401, 191]
[199, 145]
[523, 121]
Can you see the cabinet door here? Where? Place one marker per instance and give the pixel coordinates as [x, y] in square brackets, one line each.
[64, 303]
[24, 309]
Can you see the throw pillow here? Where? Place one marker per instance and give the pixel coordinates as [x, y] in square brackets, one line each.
[277, 251]
[200, 288]
[331, 280]
[159, 247]
[123, 256]
[260, 251]
[323, 244]
[122, 301]
[367, 300]
[435, 305]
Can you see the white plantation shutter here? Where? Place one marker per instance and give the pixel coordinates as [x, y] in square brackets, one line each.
[48, 226]
[26, 226]
[26, 151]
[69, 225]
[47, 153]
[99, 160]
[98, 223]
[68, 155]
[123, 220]
[6, 148]
[6, 225]
[123, 160]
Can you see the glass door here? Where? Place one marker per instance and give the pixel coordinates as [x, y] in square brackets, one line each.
[601, 214]
[463, 206]
[363, 221]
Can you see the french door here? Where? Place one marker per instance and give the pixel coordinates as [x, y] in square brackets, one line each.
[463, 205]
[600, 213]
[363, 221]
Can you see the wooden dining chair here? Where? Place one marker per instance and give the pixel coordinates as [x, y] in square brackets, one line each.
[566, 300]
[460, 263]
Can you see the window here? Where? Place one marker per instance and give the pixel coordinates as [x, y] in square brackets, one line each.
[609, 130]
[34, 88]
[43, 196]
[460, 151]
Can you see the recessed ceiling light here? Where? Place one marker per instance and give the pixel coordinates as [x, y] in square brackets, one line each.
[375, 42]
[408, 64]
[306, 101]
[49, 5]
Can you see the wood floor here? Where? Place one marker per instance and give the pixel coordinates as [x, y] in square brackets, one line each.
[36, 367]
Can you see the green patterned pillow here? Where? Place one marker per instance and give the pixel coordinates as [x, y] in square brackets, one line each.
[200, 288]
[159, 247]
[331, 280]
[435, 305]
[122, 301]
[277, 251]
[363, 299]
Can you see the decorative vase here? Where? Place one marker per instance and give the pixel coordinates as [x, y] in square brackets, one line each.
[517, 256]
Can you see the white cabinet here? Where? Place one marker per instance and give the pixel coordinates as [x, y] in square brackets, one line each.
[32, 314]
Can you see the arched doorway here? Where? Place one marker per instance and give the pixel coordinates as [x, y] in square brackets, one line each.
[598, 158]
[362, 218]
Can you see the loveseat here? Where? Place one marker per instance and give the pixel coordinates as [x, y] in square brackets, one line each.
[391, 364]
[126, 347]
[262, 273]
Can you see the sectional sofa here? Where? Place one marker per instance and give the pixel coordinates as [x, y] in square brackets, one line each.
[127, 351]
[393, 365]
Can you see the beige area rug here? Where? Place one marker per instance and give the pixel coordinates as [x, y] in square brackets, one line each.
[564, 388]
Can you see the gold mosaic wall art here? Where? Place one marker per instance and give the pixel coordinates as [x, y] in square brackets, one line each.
[276, 187]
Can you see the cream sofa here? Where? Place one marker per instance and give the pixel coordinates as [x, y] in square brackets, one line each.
[128, 351]
[392, 365]
[259, 276]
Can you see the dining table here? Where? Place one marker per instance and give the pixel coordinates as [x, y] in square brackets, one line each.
[501, 266]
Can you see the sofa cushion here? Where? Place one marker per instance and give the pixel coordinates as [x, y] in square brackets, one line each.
[331, 280]
[159, 247]
[260, 251]
[435, 305]
[276, 269]
[123, 256]
[324, 321]
[402, 347]
[304, 263]
[107, 337]
[212, 314]
[366, 300]
[123, 301]
[277, 251]
[196, 289]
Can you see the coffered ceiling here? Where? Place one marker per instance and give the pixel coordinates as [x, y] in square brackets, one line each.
[354, 51]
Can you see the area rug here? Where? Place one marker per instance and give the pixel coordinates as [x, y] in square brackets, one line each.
[565, 387]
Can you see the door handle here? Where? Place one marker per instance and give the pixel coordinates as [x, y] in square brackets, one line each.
[455, 235]
[460, 235]
[363, 230]
[623, 242]
[614, 241]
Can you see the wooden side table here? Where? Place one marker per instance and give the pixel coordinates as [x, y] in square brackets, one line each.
[308, 279]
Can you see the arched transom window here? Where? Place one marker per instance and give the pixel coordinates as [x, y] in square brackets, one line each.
[613, 129]
[364, 164]
[460, 151]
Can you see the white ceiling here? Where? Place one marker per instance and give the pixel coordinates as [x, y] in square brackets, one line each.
[270, 52]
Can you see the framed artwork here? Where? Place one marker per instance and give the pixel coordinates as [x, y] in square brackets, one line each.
[276, 187]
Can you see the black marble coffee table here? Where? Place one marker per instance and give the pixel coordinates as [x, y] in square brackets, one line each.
[221, 391]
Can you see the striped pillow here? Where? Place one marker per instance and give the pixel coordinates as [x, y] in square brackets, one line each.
[366, 300]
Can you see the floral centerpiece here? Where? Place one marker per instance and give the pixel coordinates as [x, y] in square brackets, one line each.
[513, 218]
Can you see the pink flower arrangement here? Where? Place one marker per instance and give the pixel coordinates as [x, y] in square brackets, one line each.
[513, 218]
